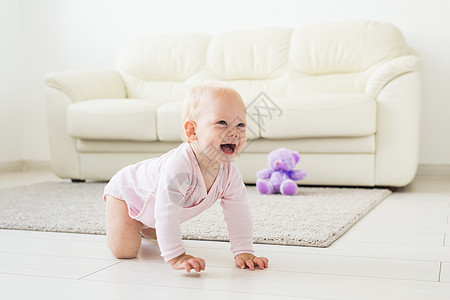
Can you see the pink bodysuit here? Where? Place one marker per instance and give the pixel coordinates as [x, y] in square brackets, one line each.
[166, 191]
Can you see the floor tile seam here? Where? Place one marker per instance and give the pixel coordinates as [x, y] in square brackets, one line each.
[412, 218]
[430, 222]
[424, 208]
[50, 239]
[102, 269]
[39, 276]
[425, 220]
[85, 278]
[301, 273]
[298, 272]
[51, 232]
[420, 193]
[420, 219]
[265, 251]
[59, 256]
[191, 288]
[348, 256]
[386, 258]
[274, 269]
[359, 276]
[417, 198]
[401, 232]
[404, 223]
[437, 244]
[339, 242]
[401, 236]
[32, 275]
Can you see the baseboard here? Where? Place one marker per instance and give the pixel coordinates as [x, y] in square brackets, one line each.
[423, 171]
[11, 166]
[433, 171]
[24, 165]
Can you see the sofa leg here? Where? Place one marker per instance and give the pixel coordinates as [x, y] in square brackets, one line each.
[78, 180]
[392, 188]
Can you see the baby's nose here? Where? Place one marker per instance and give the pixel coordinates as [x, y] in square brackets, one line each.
[233, 132]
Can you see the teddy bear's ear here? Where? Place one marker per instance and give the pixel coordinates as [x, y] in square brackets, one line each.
[296, 156]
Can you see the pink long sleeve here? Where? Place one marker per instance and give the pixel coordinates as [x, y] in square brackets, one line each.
[167, 225]
[169, 204]
[237, 214]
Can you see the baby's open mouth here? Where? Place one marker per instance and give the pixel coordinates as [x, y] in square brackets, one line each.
[228, 148]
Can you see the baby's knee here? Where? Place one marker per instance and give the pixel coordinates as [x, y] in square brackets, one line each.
[125, 254]
[122, 250]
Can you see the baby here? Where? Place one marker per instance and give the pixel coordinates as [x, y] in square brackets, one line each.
[151, 198]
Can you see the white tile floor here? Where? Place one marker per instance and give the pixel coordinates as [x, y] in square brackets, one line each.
[401, 250]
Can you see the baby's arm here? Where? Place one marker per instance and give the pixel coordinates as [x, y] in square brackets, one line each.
[170, 243]
[237, 215]
[239, 225]
[168, 208]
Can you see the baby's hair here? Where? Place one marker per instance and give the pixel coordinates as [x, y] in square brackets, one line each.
[194, 95]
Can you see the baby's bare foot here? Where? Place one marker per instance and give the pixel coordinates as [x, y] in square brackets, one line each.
[149, 233]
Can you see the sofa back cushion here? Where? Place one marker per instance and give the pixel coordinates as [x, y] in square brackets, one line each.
[249, 54]
[347, 47]
[156, 67]
[319, 58]
[339, 57]
[251, 61]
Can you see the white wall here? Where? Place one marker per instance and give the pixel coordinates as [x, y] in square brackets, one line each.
[79, 34]
[10, 100]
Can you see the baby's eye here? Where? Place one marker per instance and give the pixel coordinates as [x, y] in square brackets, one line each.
[241, 125]
[222, 122]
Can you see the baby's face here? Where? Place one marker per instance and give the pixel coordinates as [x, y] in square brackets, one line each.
[221, 126]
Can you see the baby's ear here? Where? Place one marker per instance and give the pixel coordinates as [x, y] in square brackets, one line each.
[189, 130]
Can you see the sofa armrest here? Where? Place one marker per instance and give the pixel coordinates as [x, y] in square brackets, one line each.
[398, 130]
[88, 84]
[390, 70]
[62, 90]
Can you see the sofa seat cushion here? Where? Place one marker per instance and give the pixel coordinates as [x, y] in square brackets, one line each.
[320, 116]
[168, 120]
[113, 119]
[353, 145]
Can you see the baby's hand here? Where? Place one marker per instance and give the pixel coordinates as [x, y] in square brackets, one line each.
[188, 262]
[246, 259]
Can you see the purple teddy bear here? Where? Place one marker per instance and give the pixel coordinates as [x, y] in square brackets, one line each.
[280, 177]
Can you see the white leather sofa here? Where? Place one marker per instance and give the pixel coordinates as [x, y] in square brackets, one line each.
[345, 95]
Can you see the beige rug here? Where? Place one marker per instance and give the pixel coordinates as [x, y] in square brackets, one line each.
[314, 217]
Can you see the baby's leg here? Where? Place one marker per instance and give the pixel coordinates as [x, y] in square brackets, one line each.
[122, 232]
[149, 233]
